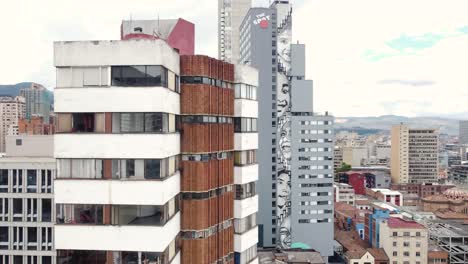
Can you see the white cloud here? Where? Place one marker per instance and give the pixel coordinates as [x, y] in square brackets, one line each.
[338, 33]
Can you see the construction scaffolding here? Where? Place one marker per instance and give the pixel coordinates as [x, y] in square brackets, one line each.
[452, 237]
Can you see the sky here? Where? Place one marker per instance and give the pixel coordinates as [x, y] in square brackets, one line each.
[366, 57]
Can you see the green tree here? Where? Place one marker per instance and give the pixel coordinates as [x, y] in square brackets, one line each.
[344, 168]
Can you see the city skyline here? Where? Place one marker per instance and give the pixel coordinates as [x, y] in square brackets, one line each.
[376, 63]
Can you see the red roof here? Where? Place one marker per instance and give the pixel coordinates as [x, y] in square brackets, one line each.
[395, 222]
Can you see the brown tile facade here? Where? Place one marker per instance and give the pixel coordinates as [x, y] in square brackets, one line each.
[207, 206]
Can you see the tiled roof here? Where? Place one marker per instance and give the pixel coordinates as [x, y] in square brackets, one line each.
[378, 253]
[394, 222]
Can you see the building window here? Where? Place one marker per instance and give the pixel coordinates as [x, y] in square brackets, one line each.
[406, 233]
[135, 76]
[406, 254]
[395, 253]
[245, 91]
[242, 124]
[418, 234]
[4, 237]
[3, 180]
[245, 224]
[31, 181]
[418, 244]
[17, 209]
[19, 142]
[394, 243]
[395, 234]
[244, 191]
[418, 254]
[142, 122]
[46, 210]
[406, 244]
[246, 157]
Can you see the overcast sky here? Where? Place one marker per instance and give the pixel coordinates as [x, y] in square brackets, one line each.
[366, 57]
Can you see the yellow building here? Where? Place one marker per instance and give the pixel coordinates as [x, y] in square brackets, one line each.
[415, 156]
[404, 241]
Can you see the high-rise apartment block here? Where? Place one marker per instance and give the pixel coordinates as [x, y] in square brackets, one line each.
[26, 200]
[230, 16]
[415, 155]
[11, 110]
[463, 132]
[296, 146]
[38, 101]
[156, 155]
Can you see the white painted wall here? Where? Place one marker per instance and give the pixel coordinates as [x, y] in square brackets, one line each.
[176, 259]
[245, 141]
[246, 240]
[245, 108]
[245, 174]
[117, 238]
[116, 52]
[116, 99]
[114, 146]
[130, 192]
[245, 207]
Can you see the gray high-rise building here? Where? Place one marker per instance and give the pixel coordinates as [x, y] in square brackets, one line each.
[295, 152]
[230, 16]
[463, 132]
[38, 101]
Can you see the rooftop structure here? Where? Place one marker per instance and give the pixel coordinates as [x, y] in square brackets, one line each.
[178, 33]
[452, 237]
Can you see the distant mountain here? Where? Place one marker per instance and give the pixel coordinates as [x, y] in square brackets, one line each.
[365, 125]
[13, 89]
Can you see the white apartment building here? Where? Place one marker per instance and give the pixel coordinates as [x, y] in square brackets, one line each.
[117, 150]
[153, 167]
[344, 193]
[11, 109]
[404, 241]
[231, 13]
[26, 200]
[245, 166]
[415, 155]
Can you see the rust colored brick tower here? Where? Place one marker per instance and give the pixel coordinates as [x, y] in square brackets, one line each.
[207, 144]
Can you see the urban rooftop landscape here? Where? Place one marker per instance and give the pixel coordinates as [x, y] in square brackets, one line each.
[234, 131]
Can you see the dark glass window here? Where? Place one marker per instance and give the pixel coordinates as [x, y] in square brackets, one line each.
[134, 75]
[46, 210]
[31, 181]
[152, 169]
[4, 237]
[138, 76]
[3, 180]
[83, 122]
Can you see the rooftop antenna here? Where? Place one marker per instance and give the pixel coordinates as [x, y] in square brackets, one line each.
[156, 32]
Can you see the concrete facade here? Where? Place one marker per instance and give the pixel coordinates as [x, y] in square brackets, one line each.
[415, 155]
[404, 241]
[231, 13]
[27, 213]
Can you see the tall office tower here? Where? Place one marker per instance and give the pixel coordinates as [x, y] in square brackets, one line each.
[415, 155]
[145, 168]
[11, 110]
[178, 33]
[38, 101]
[26, 200]
[463, 132]
[295, 187]
[231, 13]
